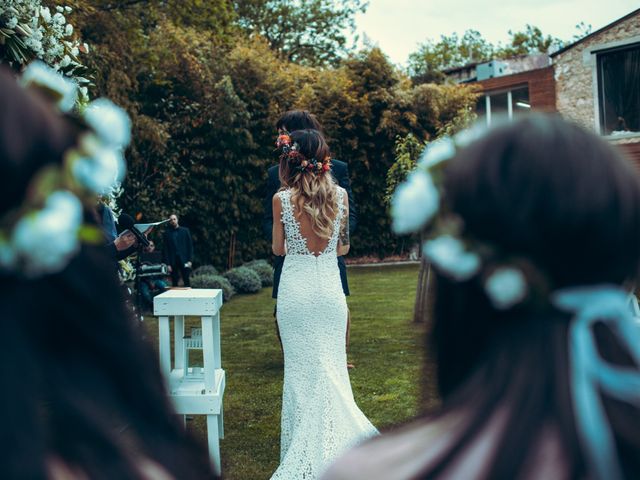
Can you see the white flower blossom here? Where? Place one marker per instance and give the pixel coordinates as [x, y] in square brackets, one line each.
[45, 13]
[59, 9]
[469, 135]
[39, 74]
[110, 122]
[7, 255]
[12, 23]
[45, 240]
[75, 51]
[437, 151]
[448, 255]
[59, 19]
[68, 30]
[66, 61]
[101, 168]
[506, 287]
[414, 202]
[68, 9]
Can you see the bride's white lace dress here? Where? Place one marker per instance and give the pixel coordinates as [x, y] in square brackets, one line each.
[320, 419]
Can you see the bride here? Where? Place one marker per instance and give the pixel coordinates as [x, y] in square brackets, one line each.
[320, 418]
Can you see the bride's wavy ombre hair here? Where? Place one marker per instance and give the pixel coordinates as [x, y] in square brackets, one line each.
[317, 188]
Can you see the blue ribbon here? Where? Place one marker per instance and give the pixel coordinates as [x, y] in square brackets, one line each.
[590, 374]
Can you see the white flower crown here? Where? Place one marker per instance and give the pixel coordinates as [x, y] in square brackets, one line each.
[43, 234]
[417, 204]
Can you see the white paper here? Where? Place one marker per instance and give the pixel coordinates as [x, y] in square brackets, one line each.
[143, 227]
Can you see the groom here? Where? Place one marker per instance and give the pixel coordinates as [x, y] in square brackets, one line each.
[301, 120]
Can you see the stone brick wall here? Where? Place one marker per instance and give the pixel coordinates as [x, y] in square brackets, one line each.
[573, 71]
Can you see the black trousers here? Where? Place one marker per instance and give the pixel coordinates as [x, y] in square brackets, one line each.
[177, 270]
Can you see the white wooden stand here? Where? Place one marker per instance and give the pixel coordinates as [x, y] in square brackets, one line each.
[194, 391]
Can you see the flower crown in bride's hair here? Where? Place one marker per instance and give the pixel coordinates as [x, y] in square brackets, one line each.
[45, 231]
[290, 151]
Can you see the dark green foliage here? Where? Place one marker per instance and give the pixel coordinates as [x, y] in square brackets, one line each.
[263, 269]
[244, 280]
[313, 32]
[204, 100]
[205, 269]
[207, 280]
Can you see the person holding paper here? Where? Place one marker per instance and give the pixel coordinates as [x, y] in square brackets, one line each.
[177, 251]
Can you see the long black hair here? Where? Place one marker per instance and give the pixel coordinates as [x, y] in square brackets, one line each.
[543, 189]
[80, 385]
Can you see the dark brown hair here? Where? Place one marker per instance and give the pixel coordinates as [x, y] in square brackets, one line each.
[298, 120]
[85, 389]
[547, 190]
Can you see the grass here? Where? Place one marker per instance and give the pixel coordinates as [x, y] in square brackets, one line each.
[386, 348]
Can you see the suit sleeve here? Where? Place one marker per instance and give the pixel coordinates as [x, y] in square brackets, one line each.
[189, 246]
[271, 187]
[165, 249]
[345, 183]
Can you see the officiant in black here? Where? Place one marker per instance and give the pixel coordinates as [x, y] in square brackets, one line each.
[177, 251]
[289, 122]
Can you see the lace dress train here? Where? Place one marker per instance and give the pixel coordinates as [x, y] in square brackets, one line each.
[320, 419]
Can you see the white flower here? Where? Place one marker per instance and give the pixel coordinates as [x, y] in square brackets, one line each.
[75, 51]
[448, 255]
[45, 13]
[62, 88]
[68, 9]
[7, 255]
[59, 9]
[68, 30]
[110, 122]
[102, 167]
[66, 61]
[506, 287]
[437, 151]
[12, 23]
[59, 19]
[414, 202]
[45, 240]
[469, 135]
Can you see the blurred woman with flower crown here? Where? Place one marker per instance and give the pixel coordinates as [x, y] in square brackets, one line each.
[83, 395]
[534, 234]
[320, 418]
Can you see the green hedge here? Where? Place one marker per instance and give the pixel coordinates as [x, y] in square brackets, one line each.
[263, 269]
[244, 280]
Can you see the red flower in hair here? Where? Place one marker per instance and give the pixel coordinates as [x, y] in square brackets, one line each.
[283, 140]
[326, 167]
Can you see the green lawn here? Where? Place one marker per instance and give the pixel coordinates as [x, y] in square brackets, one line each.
[386, 348]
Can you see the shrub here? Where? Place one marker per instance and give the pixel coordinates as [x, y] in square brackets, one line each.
[263, 269]
[244, 280]
[206, 269]
[205, 280]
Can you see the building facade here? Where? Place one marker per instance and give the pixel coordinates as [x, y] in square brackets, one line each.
[598, 83]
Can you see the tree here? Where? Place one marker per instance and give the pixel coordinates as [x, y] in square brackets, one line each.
[312, 32]
[427, 64]
[528, 42]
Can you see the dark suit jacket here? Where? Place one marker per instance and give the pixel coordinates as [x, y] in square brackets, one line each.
[340, 172]
[182, 248]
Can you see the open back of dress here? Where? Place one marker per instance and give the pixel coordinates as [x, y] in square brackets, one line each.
[320, 419]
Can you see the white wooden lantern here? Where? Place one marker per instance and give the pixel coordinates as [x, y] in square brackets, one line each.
[194, 391]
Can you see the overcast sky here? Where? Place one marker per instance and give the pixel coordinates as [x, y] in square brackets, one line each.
[398, 26]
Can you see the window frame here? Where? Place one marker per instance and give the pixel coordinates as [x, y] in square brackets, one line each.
[488, 93]
[592, 56]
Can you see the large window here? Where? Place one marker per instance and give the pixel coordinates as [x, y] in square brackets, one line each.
[506, 104]
[619, 90]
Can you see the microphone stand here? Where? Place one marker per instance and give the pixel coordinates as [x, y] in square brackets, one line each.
[136, 282]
